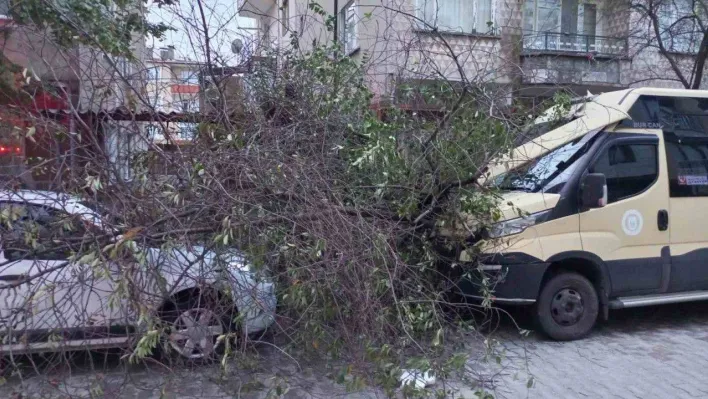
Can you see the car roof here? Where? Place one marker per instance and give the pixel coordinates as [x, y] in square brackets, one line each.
[37, 197]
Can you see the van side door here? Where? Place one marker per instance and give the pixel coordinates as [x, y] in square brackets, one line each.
[688, 188]
[625, 233]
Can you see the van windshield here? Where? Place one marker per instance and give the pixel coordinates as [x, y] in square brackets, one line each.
[550, 172]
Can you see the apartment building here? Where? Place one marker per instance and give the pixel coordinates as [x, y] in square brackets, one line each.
[172, 88]
[525, 48]
[48, 88]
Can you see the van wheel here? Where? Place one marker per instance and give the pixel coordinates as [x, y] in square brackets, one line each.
[567, 307]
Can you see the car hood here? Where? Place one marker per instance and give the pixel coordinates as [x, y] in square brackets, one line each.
[195, 259]
[511, 206]
[518, 203]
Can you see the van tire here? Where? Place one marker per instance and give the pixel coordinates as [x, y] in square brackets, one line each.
[567, 307]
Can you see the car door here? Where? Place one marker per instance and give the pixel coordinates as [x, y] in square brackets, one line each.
[64, 294]
[28, 269]
[628, 234]
[83, 292]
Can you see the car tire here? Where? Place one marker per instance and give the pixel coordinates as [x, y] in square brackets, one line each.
[199, 329]
[567, 307]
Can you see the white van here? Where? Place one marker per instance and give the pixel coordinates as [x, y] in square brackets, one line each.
[607, 211]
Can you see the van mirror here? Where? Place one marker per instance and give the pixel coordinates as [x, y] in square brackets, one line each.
[594, 190]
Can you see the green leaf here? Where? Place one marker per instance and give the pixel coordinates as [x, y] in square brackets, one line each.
[438, 337]
[530, 382]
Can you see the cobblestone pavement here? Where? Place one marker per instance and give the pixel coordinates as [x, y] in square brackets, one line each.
[659, 352]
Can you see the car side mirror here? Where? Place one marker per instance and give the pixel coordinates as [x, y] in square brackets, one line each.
[594, 190]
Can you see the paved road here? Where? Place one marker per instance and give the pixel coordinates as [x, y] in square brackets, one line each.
[659, 352]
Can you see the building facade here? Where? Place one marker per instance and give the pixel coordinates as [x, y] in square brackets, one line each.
[524, 48]
[172, 88]
[55, 93]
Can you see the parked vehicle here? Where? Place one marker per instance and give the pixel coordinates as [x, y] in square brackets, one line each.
[606, 211]
[54, 297]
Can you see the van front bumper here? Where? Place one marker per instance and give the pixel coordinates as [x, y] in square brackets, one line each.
[509, 283]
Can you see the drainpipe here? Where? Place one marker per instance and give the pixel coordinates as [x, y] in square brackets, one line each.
[336, 19]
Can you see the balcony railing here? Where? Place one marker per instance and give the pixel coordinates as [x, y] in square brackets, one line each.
[574, 43]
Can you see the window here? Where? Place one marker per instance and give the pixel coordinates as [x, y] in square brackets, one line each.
[684, 121]
[123, 66]
[37, 232]
[4, 9]
[688, 167]
[189, 105]
[187, 131]
[567, 25]
[153, 74]
[684, 117]
[189, 77]
[462, 16]
[542, 15]
[678, 25]
[588, 15]
[348, 27]
[154, 132]
[629, 168]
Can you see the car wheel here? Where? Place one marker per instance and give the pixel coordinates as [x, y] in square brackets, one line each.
[567, 307]
[197, 328]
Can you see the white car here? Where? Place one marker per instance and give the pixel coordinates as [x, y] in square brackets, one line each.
[55, 295]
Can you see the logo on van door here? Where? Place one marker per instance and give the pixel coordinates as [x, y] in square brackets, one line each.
[632, 222]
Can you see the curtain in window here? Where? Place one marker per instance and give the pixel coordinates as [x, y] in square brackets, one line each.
[589, 19]
[569, 16]
[588, 16]
[529, 16]
[548, 18]
[455, 15]
[449, 15]
[484, 18]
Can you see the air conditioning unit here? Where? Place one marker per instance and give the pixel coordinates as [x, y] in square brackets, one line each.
[167, 53]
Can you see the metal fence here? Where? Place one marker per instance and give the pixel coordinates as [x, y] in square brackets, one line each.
[570, 42]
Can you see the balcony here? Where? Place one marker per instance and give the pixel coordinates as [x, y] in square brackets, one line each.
[556, 42]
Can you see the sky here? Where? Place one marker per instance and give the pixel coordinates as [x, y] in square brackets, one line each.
[223, 22]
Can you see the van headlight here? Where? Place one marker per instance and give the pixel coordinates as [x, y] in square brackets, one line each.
[240, 265]
[516, 226]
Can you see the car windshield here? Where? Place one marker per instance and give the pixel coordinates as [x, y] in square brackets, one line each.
[548, 173]
[94, 206]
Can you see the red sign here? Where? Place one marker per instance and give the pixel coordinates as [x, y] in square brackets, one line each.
[185, 89]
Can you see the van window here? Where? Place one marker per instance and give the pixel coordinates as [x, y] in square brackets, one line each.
[688, 167]
[683, 116]
[629, 168]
